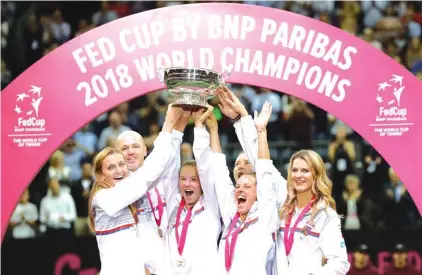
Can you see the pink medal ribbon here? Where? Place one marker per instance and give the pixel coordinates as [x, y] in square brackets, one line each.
[289, 238]
[230, 246]
[160, 206]
[182, 239]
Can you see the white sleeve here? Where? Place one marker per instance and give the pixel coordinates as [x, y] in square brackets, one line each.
[43, 210]
[170, 178]
[280, 186]
[170, 184]
[248, 138]
[16, 217]
[174, 162]
[203, 156]
[333, 249]
[224, 187]
[112, 200]
[266, 195]
[31, 215]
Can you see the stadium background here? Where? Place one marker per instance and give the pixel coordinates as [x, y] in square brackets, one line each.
[386, 213]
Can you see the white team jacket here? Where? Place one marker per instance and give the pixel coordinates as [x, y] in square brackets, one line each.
[200, 253]
[248, 139]
[254, 244]
[325, 239]
[152, 242]
[117, 234]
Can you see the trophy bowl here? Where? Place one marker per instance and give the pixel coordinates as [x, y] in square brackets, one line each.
[191, 88]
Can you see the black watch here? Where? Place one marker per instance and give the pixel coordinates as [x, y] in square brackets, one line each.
[236, 119]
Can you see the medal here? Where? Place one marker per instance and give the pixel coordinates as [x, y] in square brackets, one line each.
[289, 238]
[160, 206]
[180, 262]
[230, 245]
[181, 240]
[305, 230]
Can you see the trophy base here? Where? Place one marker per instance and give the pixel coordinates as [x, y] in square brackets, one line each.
[189, 107]
[190, 102]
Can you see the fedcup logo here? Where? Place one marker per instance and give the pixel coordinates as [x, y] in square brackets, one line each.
[392, 116]
[388, 97]
[27, 108]
[29, 125]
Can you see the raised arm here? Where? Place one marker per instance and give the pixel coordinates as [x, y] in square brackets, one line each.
[266, 174]
[248, 137]
[112, 200]
[224, 187]
[203, 155]
[231, 106]
[169, 180]
[220, 174]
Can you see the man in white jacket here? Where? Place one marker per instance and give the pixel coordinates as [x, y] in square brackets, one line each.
[152, 207]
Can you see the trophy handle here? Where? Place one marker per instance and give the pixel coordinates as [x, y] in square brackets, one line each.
[225, 75]
[160, 73]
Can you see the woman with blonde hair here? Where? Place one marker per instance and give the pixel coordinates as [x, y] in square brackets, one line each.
[112, 211]
[310, 228]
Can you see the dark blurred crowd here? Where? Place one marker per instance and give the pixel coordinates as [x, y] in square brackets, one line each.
[368, 192]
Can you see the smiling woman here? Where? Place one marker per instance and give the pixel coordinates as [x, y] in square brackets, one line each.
[109, 168]
[245, 194]
[310, 228]
[112, 212]
[248, 210]
[189, 185]
[194, 221]
[242, 166]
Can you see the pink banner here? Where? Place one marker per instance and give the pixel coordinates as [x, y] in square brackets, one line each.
[261, 46]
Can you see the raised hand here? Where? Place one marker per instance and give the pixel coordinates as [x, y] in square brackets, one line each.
[262, 119]
[183, 121]
[172, 117]
[200, 116]
[230, 105]
[211, 122]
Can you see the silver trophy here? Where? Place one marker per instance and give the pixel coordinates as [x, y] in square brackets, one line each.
[191, 88]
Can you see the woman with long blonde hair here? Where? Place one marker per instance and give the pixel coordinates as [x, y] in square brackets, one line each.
[112, 213]
[310, 228]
